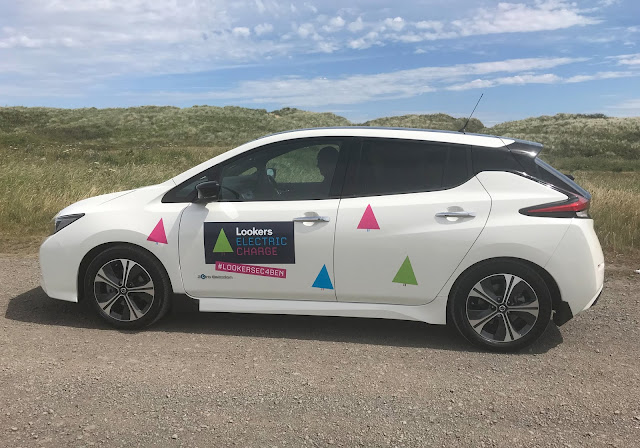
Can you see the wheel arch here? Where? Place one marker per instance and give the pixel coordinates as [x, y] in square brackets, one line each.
[89, 256]
[559, 307]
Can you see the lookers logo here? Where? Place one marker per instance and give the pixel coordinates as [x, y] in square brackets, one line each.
[253, 232]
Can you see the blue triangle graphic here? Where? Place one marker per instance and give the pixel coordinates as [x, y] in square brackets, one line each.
[323, 280]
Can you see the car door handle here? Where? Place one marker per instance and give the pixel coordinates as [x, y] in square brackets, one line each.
[456, 215]
[312, 219]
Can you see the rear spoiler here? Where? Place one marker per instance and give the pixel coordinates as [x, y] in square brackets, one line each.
[525, 148]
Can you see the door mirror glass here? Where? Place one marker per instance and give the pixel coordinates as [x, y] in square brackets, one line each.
[207, 192]
[271, 172]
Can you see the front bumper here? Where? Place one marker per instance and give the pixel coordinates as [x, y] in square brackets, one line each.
[58, 270]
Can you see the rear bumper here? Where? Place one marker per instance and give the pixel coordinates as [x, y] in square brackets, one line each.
[563, 313]
[577, 266]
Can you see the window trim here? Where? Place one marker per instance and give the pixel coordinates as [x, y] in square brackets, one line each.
[336, 183]
[353, 167]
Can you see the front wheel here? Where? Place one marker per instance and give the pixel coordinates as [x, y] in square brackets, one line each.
[127, 287]
[501, 305]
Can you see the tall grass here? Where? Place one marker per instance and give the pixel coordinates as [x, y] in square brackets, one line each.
[615, 208]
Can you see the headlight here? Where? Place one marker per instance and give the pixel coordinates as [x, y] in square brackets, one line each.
[63, 221]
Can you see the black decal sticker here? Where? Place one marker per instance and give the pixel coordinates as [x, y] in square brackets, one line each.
[249, 242]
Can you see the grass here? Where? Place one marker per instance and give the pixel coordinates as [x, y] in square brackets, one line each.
[50, 158]
[615, 208]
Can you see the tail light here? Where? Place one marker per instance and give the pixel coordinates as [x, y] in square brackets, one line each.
[574, 207]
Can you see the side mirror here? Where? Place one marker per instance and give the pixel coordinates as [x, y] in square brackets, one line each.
[271, 172]
[207, 192]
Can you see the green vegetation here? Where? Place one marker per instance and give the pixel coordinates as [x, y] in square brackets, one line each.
[50, 158]
[581, 142]
[434, 121]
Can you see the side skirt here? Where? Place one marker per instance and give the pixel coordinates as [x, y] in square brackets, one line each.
[432, 313]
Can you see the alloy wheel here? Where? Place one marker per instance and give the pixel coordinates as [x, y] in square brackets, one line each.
[123, 289]
[502, 308]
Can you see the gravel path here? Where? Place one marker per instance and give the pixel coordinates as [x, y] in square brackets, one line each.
[203, 380]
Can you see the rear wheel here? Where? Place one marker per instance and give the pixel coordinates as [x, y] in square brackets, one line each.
[127, 287]
[501, 305]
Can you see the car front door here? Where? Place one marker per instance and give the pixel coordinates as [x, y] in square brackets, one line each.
[270, 235]
[410, 213]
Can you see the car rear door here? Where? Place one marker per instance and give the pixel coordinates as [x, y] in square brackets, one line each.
[410, 212]
[270, 236]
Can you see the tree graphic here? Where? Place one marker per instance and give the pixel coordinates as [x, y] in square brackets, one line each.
[222, 243]
[368, 220]
[323, 280]
[405, 274]
[158, 234]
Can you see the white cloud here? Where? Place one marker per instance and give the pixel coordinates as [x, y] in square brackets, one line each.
[627, 108]
[262, 28]
[322, 91]
[241, 31]
[335, 24]
[519, 17]
[547, 78]
[92, 41]
[365, 41]
[600, 75]
[628, 59]
[429, 25]
[305, 30]
[396, 24]
[357, 25]
[547, 15]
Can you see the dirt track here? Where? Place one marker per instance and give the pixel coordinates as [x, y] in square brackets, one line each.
[208, 380]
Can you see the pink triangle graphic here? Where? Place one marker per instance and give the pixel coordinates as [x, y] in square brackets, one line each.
[368, 220]
[158, 235]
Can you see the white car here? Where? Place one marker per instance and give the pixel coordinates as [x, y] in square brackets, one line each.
[410, 224]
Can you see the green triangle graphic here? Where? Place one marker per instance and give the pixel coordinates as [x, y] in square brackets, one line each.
[222, 243]
[405, 274]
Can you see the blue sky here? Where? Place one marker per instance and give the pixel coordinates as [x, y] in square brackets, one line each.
[360, 59]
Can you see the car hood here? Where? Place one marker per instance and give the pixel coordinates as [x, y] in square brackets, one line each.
[143, 193]
[85, 205]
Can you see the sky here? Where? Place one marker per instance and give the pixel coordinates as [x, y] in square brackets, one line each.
[361, 59]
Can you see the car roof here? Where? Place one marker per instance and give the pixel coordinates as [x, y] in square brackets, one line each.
[393, 132]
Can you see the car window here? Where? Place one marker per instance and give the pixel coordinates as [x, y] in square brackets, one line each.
[295, 170]
[550, 175]
[298, 170]
[402, 166]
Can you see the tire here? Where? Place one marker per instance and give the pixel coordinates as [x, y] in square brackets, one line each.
[483, 316]
[144, 299]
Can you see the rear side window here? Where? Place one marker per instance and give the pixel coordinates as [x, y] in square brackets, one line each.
[493, 159]
[549, 174]
[502, 159]
[404, 166]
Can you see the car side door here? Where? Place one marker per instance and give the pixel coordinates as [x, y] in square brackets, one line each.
[270, 233]
[410, 212]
